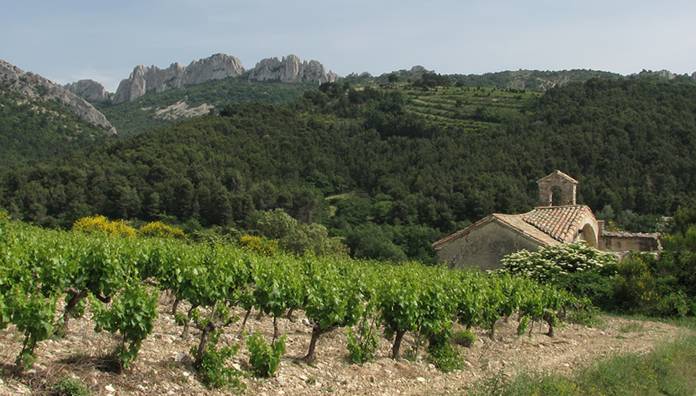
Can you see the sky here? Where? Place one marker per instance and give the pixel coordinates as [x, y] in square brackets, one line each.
[68, 40]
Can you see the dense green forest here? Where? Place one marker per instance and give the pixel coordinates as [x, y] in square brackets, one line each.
[534, 80]
[363, 163]
[32, 130]
[140, 115]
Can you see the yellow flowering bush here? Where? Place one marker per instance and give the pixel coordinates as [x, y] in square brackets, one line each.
[161, 230]
[103, 225]
[260, 245]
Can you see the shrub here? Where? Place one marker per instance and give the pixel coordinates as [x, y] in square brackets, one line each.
[373, 242]
[213, 371]
[3, 219]
[585, 313]
[635, 286]
[362, 346]
[259, 245]
[678, 260]
[597, 286]
[100, 224]
[69, 387]
[296, 237]
[465, 338]
[216, 235]
[159, 229]
[673, 304]
[265, 358]
[551, 263]
[445, 357]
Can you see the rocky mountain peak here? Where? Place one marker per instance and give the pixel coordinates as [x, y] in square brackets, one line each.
[144, 79]
[153, 79]
[291, 69]
[34, 87]
[89, 90]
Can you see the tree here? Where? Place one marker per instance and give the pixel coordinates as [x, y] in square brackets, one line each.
[371, 241]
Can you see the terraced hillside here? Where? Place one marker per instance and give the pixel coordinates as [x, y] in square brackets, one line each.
[472, 109]
[469, 108]
[157, 109]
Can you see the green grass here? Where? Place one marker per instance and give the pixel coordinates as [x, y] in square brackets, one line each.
[69, 387]
[669, 370]
[633, 327]
[688, 322]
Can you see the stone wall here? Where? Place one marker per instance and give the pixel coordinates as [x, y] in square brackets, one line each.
[484, 247]
[628, 242]
[566, 189]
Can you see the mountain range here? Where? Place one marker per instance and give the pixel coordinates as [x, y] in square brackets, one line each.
[152, 79]
[211, 83]
[205, 84]
[388, 162]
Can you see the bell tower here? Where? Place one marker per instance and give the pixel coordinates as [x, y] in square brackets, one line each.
[557, 189]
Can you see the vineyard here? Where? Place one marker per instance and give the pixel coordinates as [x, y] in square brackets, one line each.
[472, 109]
[49, 277]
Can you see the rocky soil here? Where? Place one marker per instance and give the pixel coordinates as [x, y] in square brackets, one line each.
[164, 368]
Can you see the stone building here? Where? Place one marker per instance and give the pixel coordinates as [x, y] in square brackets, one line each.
[558, 219]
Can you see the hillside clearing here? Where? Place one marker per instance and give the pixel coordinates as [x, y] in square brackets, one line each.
[471, 109]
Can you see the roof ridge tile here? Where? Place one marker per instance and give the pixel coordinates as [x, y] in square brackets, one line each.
[559, 222]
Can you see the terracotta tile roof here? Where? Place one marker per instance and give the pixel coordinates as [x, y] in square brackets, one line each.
[558, 173]
[514, 221]
[548, 225]
[463, 232]
[559, 222]
[517, 222]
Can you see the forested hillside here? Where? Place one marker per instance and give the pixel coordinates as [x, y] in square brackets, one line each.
[32, 130]
[373, 170]
[536, 80]
[156, 109]
[533, 80]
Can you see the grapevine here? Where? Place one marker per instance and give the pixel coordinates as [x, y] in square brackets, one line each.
[46, 278]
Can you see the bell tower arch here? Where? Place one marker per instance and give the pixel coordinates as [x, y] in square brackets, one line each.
[557, 189]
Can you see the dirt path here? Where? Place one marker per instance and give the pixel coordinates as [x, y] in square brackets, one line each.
[164, 369]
